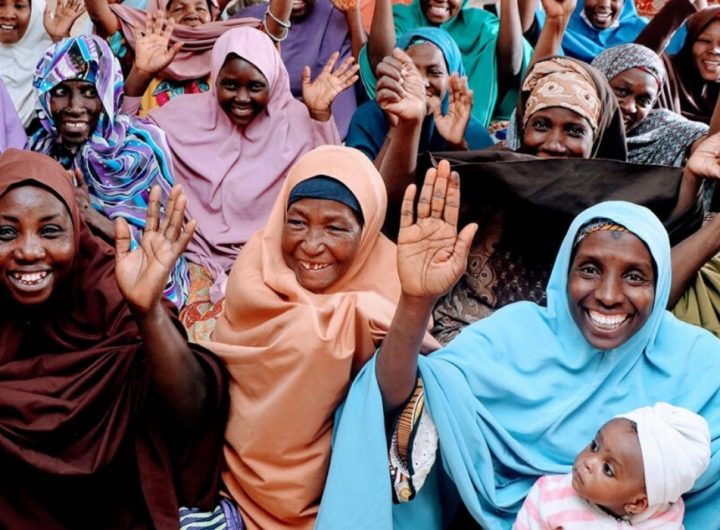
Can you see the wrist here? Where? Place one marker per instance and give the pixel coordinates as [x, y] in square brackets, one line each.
[320, 114]
[147, 316]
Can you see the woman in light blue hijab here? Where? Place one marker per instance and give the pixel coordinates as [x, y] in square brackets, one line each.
[519, 393]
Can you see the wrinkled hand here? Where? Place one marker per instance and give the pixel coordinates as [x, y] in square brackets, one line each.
[346, 5]
[400, 89]
[559, 8]
[452, 126]
[59, 21]
[153, 52]
[143, 273]
[319, 94]
[705, 161]
[431, 254]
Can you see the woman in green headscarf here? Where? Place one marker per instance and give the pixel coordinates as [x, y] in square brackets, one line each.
[493, 50]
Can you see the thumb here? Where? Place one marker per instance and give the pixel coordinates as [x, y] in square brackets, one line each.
[464, 241]
[306, 76]
[122, 238]
[403, 57]
[435, 107]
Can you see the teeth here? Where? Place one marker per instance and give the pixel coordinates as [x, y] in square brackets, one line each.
[6, 27]
[607, 321]
[75, 125]
[30, 278]
[314, 266]
[439, 10]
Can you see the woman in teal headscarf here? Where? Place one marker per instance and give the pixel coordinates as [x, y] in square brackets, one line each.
[517, 394]
[493, 51]
[369, 125]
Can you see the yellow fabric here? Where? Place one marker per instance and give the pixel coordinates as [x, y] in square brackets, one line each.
[292, 354]
[701, 302]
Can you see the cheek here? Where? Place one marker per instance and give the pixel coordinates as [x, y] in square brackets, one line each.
[698, 49]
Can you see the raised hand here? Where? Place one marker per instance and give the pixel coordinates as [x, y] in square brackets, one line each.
[59, 21]
[319, 94]
[705, 161]
[431, 254]
[346, 5]
[153, 52]
[400, 88]
[452, 126]
[143, 272]
[559, 8]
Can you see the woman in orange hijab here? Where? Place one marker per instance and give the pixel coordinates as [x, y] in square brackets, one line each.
[308, 301]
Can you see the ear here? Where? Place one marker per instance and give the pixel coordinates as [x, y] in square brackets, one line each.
[637, 505]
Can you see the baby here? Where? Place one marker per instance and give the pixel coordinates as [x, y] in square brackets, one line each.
[631, 475]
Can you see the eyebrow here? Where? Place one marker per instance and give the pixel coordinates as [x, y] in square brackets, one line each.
[619, 467]
[44, 219]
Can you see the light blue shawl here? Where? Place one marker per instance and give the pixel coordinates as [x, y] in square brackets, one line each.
[518, 394]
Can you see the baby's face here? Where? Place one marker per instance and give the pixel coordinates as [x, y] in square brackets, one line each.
[609, 472]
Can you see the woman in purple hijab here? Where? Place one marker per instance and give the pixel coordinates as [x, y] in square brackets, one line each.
[319, 29]
[12, 133]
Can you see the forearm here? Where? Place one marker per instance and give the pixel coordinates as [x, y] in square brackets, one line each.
[106, 22]
[177, 377]
[690, 187]
[663, 25]
[357, 33]
[509, 43]
[382, 33]
[400, 161]
[715, 119]
[550, 40]
[137, 82]
[396, 367]
[383, 150]
[690, 255]
[281, 10]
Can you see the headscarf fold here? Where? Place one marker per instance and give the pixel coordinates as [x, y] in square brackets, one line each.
[475, 32]
[675, 446]
[123, 157]
[517, 396]
[17, 63]
[562, 83]
[193, 60]
[609, 139]
[232, 192]
[663, 137]
[292, 353]
[12, 133]
[80, 418]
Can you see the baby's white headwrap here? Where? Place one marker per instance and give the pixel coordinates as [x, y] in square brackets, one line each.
[675, 445]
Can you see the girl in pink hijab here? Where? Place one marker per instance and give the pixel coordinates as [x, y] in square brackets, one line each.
[233, 145]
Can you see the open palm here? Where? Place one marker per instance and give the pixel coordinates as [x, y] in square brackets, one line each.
[705, 161]
[59, 21]
[400, 88]
[143, 272]
[319, 94]
[153, 52]
[452, 126]
[431, 254]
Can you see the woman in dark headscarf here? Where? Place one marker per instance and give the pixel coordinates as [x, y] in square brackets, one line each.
[111, 420]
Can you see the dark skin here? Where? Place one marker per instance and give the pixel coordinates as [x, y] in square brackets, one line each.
[557, 132]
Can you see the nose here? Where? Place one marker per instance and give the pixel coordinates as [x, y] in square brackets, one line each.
[609, 292]
[627, 106]
[242, 96]
[29, 250]
[313, 244]
[554, 143]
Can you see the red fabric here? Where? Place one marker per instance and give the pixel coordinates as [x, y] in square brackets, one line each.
[83, 444]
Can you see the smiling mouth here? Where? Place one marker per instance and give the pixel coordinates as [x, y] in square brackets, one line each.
[604, 322]
[439, 11]
[8, 27]
[242, 112]
[308, 266]
[75, 125]
[30, 279]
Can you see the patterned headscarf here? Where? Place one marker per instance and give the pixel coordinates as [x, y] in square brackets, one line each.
[122, 158]
[562, 83]
[618, 59]
[597, 225]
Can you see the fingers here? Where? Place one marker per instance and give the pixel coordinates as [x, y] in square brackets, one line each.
[406, 208]
[452, 199]
[169, 207]
[464, 240]
[176, 215]
[439, 193]
[435, 107]
[403, 58]
[425, 200]
[122, 238]
[330, 64]
[185, 236]
[79, 178]
[152, 221]
[306, 76]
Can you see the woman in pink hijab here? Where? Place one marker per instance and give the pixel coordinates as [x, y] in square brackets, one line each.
[233, 145]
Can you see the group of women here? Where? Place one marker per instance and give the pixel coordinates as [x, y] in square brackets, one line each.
[214, 315]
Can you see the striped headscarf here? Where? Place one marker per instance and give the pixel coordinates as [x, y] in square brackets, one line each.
[123, 157]
[618, 59]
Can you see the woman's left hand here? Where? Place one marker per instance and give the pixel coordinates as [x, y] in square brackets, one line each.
[452, 126]
[59, 22]
[319, 94]
[705, 161]
[143, 273]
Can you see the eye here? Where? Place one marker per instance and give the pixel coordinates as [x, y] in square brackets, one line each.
[607, 470]
[588, 270]
[51, 231]
[636, 278]
[7, 233]
[257, 86]
[621, 92]
[295, 223]
[228, 85]
[89, 92]
[59, 91]
[593, 446]
[540, 125]
[645, 102]
[576, 131]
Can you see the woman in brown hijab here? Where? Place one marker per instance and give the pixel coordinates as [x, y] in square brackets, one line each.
[109, 419]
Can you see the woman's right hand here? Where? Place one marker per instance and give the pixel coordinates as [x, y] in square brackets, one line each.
[559, 8]
[153, 52]
[400, 89]
[432, 256]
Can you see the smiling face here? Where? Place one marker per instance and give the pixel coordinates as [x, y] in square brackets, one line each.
[557, 132]
[440, 11]
[320, 240]
[36, 244]
[635, 91]
[603, 13]
[191, 13]
[430, 63]
[609, 471]
[706, 52]
[242, 91]
[75, 107]
[14, 20]
[611, 287]
[301, 8]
